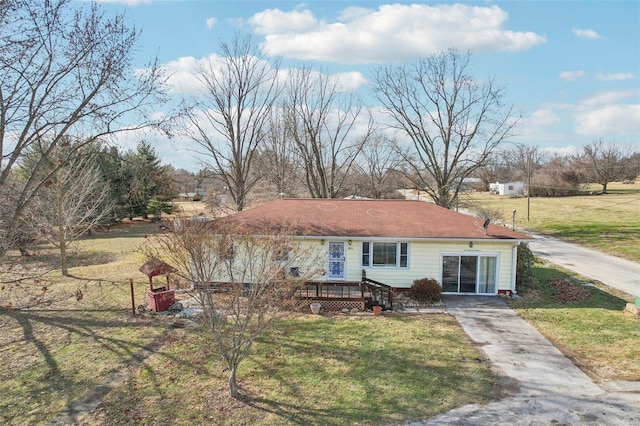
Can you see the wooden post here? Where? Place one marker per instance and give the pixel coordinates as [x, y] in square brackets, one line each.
[133, 299]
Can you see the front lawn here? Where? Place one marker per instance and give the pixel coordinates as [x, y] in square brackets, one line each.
[338, 370]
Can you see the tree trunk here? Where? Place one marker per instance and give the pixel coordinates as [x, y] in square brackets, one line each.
[62, 243]
[604, 187]
[233, 384]
[63, 254]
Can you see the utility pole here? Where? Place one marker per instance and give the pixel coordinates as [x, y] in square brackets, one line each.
[528, 186]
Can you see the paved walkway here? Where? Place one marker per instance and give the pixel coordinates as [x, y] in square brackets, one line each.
[545, 387]
[621, 274]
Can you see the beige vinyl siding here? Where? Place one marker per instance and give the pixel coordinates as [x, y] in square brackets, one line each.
[425, 259]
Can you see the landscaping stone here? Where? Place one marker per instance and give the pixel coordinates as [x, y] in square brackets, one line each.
[633, 310]
[176, 307]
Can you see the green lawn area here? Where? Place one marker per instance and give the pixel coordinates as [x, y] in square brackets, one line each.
[55, 351]
[595, 333]
[607, 222]
[306, 370]
[315, 370]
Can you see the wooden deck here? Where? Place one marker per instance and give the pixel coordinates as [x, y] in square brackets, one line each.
[338, 295]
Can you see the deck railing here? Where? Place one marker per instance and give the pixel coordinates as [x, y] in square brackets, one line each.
[368, 291]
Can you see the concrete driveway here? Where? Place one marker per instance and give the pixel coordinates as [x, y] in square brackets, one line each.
[615, 272]
[544, 387]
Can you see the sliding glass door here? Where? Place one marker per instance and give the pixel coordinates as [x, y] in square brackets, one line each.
[469, 274]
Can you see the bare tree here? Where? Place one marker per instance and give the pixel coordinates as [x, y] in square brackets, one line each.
[65, 69]
[259, 272]
[329, 128]
[604, 162]
[453, 121]
[378, 167]
[277, 159]
[559, 176]
[73, 200]
[523, 160]
[228, 121]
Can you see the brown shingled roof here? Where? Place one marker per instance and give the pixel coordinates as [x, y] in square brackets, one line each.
[369, 219]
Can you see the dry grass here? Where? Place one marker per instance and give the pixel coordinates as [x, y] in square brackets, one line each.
[332, 370]
[83, 329]
[594, 333]
[608, 222]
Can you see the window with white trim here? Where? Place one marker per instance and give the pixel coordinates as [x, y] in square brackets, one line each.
[377, 254]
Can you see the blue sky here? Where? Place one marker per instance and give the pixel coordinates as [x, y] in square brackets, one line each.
[572, 67]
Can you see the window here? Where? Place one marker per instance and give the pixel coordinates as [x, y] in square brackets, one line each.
[469, 274]
[385, 255]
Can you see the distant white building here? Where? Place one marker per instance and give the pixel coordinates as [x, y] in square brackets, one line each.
[507, 188]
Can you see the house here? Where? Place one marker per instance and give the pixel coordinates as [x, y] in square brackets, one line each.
[190, 196]
[394, 242]
[507, 188]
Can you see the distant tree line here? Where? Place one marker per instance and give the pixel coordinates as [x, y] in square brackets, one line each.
[555, 175]
[68, 85]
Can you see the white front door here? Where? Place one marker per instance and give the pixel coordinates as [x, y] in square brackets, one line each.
[336, 261]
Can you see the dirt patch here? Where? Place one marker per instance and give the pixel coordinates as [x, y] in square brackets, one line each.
[566, 292]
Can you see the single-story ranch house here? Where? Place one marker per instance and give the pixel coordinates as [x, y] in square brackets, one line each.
[395, 242]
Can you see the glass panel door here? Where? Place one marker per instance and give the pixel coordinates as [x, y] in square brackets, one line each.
[336, 260]
[487, 275]
[450, 268]
[468, 270]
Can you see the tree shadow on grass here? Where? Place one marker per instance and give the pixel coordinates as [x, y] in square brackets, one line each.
[55, 372]
[394, 382]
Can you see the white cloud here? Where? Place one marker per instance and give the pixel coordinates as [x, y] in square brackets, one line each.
[616, 77]
[211, 22]
[541, 118]
[571, 75]
[608, 97]
[276, 21]
[182, 75]
[182, 78]
[350, 80]
[609, 120]
[391, 32]
[590, 34]
[609, 113]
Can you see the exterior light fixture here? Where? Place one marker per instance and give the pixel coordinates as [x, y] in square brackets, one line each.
[470, 244]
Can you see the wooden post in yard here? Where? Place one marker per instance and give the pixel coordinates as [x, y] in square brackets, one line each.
[133, 299]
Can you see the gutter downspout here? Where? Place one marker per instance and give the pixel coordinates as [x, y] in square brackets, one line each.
[514, 264]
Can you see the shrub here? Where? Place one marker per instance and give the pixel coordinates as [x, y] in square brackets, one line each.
[425, 290]
[525, 279]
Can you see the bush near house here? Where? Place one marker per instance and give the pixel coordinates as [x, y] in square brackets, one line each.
[425, 290]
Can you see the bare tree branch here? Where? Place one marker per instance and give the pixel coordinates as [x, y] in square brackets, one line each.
[252, 266]
[229, 119]
[453, 121]
[323, 119]
[65, 70]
